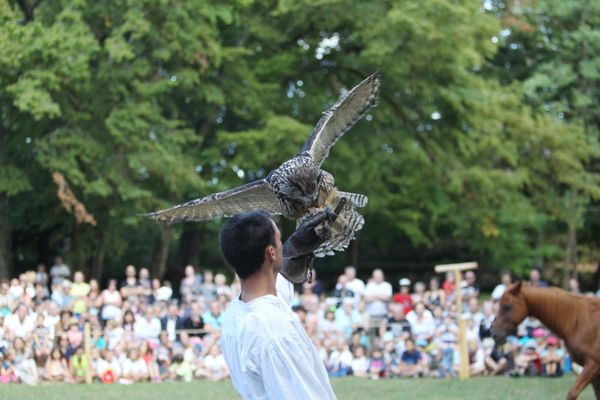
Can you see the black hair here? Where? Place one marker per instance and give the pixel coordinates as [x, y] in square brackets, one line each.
[244, 239]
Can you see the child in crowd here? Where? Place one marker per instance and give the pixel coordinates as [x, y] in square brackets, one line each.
[57, 369]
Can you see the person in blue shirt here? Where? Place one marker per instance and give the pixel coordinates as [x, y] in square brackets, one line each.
[411, 364]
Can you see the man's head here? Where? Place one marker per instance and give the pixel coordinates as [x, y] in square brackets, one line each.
[534, 276]
[470, 277]
[144, 273]
[377, 276]
[190, 270]
[130, 271]
[249, 240]
[78, 277]
[506, 278]
[350, 272]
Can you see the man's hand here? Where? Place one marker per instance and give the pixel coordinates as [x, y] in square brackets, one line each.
[306, 239]
[298, 249]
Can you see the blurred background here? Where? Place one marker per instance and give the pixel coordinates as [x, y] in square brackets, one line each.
[484, 146]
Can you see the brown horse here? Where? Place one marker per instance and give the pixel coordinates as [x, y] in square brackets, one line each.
[576, 319]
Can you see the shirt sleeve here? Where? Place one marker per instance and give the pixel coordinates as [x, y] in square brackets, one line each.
[286, 368]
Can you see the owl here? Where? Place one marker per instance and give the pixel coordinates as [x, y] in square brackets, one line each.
[298, 188]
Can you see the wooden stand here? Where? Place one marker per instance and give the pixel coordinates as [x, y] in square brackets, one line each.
[463, 351]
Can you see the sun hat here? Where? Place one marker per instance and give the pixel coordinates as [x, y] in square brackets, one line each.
[552, 340]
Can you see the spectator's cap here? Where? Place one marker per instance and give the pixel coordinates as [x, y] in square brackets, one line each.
[538, 333]
[404, 282]
[552, 341]
[66, 283]
[488, 343]
[463, 284]
[421, 342]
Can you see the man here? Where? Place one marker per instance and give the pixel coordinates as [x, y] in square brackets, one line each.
[130, 286]
[268, 352]
[342, 291]
[356, 285]
[171, 322]
[378, 294]
[59, 271]
[79, 290]
[506, 281]
[535, 279]
[213, 316]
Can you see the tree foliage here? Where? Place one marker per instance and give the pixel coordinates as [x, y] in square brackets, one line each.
[145, 104]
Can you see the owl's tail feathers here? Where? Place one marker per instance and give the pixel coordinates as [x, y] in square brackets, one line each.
[357, 200]
[343, 230]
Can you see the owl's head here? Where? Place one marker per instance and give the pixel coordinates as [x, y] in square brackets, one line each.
[304, 186]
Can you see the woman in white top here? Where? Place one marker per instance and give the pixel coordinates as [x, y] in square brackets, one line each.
[112, 302]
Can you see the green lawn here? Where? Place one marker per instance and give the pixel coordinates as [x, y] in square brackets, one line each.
[348, 388]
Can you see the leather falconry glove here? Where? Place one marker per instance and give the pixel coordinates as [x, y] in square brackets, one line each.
[298, 249]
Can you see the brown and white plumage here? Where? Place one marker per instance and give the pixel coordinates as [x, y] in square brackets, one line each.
[298, 188]
[341, 117]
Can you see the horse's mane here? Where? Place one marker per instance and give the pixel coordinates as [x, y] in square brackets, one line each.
[549, 304]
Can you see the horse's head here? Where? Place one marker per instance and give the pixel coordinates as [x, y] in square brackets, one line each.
[512, 310]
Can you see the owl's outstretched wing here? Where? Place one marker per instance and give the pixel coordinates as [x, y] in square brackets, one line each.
[341, 117]
[252, 196]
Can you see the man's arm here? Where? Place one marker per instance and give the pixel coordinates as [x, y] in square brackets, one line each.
[298, 249]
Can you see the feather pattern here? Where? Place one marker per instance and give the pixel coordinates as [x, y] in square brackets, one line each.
[298, 188]
[341, 117]
[252, 196]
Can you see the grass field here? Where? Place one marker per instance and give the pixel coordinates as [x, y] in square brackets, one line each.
[345, 388]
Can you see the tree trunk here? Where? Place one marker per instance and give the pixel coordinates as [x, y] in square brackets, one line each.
[98, 259]
[159, 265]
[570, 270]
[189, 250]
[77, 258]
[5, 239]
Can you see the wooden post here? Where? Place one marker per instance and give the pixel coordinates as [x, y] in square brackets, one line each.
[463, 351]
[88, 352]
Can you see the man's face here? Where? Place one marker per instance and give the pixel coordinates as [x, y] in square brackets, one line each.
[470, 277]
[350, 273]
[534, 275]
[378, 276]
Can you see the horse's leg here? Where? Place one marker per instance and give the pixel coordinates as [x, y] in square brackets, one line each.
[589, 372]
[596, 384]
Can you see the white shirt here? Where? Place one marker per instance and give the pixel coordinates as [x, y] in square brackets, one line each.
[423, 328]
[285, 289]
[19, 328]
[269, 353]
[498, 291]
[378, 307]
[357, 286]
[137, 367]
[145, 329]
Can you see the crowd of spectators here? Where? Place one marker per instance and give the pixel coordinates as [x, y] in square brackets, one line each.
[140, 330]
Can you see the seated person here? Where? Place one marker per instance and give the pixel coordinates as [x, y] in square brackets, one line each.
[551, 358]
[527, 362]
[56, 369]
[411, 364]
